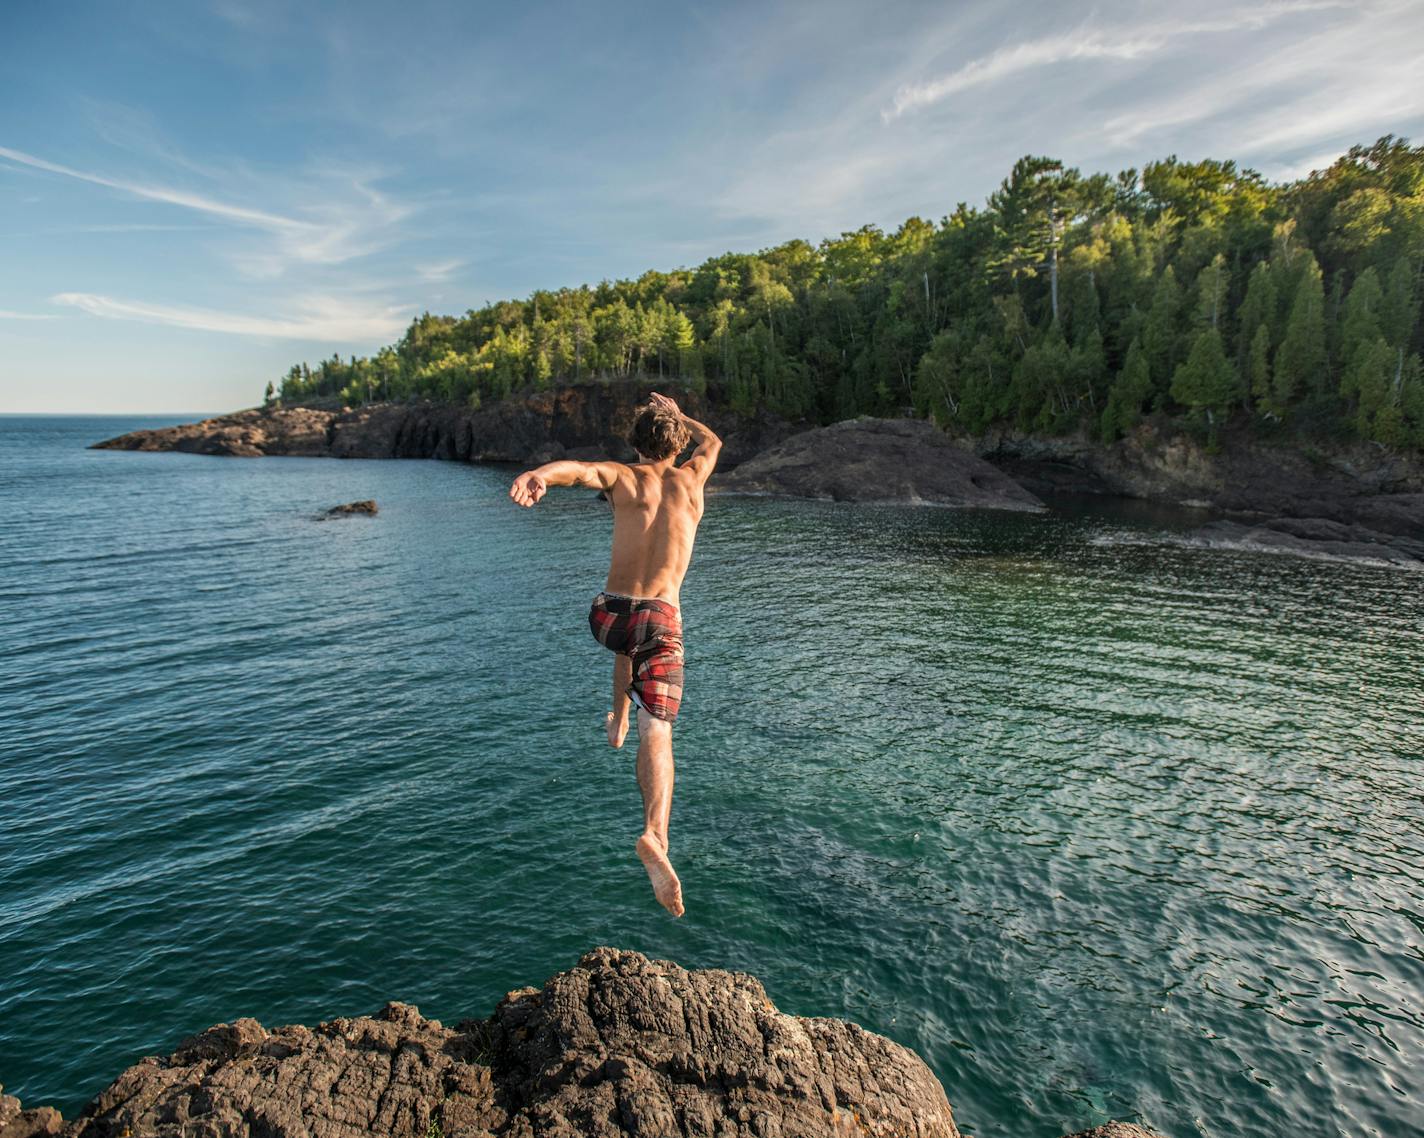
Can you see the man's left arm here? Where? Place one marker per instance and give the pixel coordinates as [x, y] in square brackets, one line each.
[532, 485]
[708, 445]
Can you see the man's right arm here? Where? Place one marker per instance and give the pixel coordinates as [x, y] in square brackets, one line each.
[532, 485]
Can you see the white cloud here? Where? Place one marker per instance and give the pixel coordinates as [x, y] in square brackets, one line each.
[1087, 43]
[438, 270]
[239, 214]
[5, 314]
[322, 318]
[335, 231]
[1361, 83]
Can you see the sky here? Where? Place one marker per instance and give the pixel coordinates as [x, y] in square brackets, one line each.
[195, 196]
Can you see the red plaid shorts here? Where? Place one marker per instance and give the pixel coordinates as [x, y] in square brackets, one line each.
[649, 631]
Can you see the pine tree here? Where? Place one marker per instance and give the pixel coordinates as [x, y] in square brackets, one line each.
[1368, 378]
[1258, 369]
[1128, 393]
[1300, 363]
[1399, 310]
[1211, 292]
[1258, 310]
[1361, 341]
[1159, 334]
[1206, 382]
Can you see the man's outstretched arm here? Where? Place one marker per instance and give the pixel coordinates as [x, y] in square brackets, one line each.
[532, 485]
[709, 445]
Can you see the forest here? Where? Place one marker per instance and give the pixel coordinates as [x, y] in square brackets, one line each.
[1196, 292]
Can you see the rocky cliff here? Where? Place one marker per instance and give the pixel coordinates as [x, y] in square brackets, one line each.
[617, 1046]
[1355, 484]
[1350, 500]
[877, 460]
[579, 421]
[1377, 496]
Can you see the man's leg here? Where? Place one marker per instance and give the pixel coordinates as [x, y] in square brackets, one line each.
[655, 775]
[618, 718]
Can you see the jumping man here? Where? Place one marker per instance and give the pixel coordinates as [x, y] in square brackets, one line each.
[656, 508]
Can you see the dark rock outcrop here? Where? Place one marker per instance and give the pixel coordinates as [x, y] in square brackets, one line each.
[1353, 484]
[584, 421]
[879, 460]
[365, 507]
[618, 1046]
[1312, 537]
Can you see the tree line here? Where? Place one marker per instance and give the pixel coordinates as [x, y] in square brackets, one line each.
[1198, 291]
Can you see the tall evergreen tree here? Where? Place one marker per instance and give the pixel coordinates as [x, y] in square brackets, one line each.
[1206, 382]
[1128, 394]
[1159, 334]
[1300, 363]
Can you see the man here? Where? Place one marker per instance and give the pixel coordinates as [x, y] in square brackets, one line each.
[656, 508]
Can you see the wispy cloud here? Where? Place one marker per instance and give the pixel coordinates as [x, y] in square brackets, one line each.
[235, 213]
[5, 314]
[1087, 43]
[336, 229]
[438, 270]
[321, 318]
[1263, 109]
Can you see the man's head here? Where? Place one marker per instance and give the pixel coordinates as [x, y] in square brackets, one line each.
[658, 433]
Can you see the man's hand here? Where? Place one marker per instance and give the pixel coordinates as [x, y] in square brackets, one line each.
[663, 403]
[528, 488]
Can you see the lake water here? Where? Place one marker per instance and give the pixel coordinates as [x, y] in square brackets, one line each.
[1100, 825]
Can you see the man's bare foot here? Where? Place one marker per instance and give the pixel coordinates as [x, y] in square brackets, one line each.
[617, 731]
[666, 887]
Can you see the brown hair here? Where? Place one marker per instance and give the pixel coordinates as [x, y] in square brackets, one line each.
[658, 433]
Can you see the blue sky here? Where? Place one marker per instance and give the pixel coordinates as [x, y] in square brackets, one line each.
[194, 196]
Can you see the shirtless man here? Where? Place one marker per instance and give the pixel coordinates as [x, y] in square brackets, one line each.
[656, 508]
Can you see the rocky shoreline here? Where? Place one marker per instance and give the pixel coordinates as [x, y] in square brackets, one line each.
[576, 421]
[880, 460]
[1357, 501]
[619, 1046]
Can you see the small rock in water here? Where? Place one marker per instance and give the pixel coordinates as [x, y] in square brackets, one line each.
[366, 506]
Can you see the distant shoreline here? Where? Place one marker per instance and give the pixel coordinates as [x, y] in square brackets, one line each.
[1372, 497]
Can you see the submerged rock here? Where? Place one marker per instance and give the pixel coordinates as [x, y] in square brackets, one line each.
[366, 506]
[879, 460]
[618, 1046]
[1312, 537]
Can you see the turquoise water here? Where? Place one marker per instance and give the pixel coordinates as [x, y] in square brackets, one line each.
[1100, 825]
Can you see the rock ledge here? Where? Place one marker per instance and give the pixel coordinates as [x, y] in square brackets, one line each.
[617, 1046]
[879, 460]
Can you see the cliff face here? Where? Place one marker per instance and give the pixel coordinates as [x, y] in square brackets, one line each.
[582, 421]
[876, 460]
[619, 1046]
[1358, 484]
[1376, 495]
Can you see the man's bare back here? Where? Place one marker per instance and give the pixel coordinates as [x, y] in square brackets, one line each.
[657, 506]
[655, 516]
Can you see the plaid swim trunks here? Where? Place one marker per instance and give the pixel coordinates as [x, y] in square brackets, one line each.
[649, 631]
